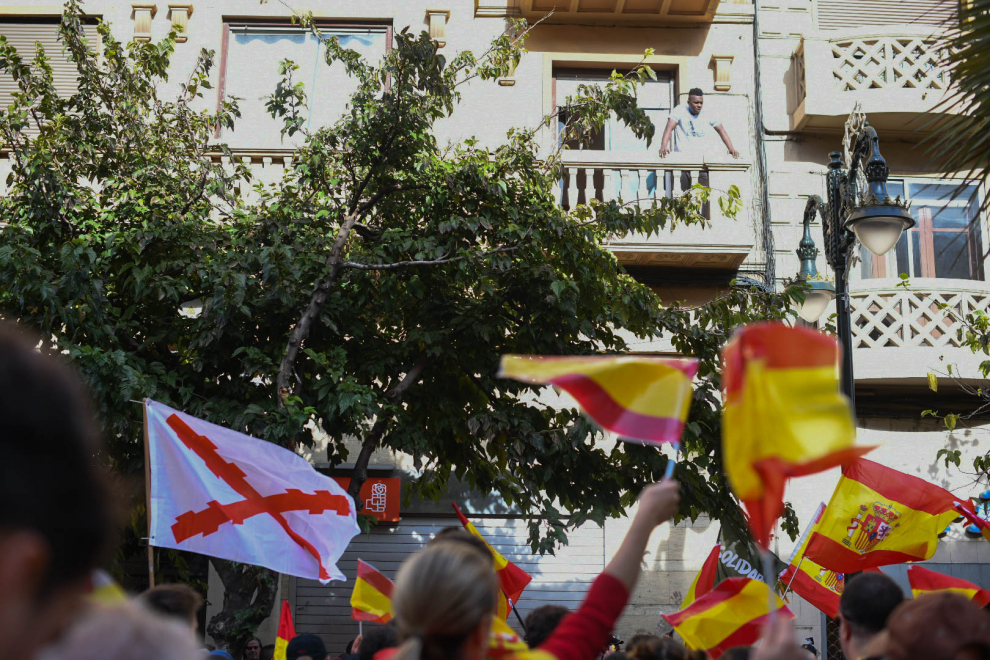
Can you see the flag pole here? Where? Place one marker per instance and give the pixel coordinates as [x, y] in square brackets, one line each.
[360, 629]
[147, 495]
[522, 624]
[671, 462]
[791, 581]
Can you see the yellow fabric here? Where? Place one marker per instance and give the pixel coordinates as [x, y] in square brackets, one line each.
[709, 627]
[968, 593]
[105, 589]
[280, 646]
[500, 561]
[910, 531]
[796, 415]
[648, 386]
[365, 598]
[503, 640]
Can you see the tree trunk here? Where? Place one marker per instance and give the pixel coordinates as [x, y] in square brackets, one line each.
[248, 599]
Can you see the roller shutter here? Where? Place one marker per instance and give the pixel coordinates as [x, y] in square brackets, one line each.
[562, 579]
[23, 37]
[845, 14]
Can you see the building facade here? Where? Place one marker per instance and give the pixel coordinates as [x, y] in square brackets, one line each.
[782, 76]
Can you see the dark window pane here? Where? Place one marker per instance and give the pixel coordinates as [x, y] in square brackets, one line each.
[901, 254]
[951, 255]
[895, 188]
[916, 257]
[941, 193]
[951, 217]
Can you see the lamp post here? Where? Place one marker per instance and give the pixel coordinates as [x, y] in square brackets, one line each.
[857, 206]
[820, 291]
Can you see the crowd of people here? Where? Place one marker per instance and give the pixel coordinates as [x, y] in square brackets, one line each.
[57, 525]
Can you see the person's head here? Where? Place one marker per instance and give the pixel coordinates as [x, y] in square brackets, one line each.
[125, 631]
[305, 647]
[461, 535]
[662, 648]
[937, 626]
[444, 599]
[252, 649]
[175, 600]
[696, 100]
[220, 654]
[637, 638]
[55, 522]
[375, 639]
[737, 653]
[542, 621]
[864, 607]
[809, 646]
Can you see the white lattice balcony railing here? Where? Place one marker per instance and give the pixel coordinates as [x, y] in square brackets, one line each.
[894, 72]
[900, 332]
[642, 178]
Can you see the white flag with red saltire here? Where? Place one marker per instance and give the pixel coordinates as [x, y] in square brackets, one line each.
[225, 494]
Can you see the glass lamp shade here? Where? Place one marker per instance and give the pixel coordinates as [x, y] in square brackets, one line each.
[879, 227]
[814, 304]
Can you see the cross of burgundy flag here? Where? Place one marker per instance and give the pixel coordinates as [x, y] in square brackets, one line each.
[225, 494]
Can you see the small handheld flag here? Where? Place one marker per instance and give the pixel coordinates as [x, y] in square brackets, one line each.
[704, 581]
[371, 599]
[512, 579]
[637, 398]
[879, 516]
[731, 614]
[924, 581]
[783, 415]
[286, 631]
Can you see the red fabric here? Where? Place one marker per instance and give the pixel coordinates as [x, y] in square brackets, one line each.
[583, 634]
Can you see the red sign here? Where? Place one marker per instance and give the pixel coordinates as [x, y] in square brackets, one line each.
[380, 497]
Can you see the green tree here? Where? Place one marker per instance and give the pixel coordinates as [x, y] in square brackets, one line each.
[367, 295]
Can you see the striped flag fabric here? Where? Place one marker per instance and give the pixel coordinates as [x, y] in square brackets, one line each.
[731, 614]
[638, 398]
[878, 516]
[512, 578]
[286, 631]
[783, 415]
[704, 581]
[371, 599]
[924, 581]
[819, 586]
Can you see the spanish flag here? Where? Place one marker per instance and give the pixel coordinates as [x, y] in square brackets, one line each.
[371, 599]
[783, 415]
[637, 398]
[731, 614]
[503, 640]
[104, 589]
[512, 578]
[924, 581]
[879, 516]
[704, 581]
[286, 631]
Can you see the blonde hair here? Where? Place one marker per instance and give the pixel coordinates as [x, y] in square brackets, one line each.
[441, 595]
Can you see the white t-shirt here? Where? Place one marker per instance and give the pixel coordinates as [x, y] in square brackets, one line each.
[691, 129]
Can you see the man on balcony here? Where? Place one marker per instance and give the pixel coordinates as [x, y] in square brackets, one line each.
[689, 125]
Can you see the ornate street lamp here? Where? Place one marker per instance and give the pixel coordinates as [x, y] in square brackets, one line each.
[858, 206]
[820, 291]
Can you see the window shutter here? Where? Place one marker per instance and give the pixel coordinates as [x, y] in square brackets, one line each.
[844, 14]
[23, 37]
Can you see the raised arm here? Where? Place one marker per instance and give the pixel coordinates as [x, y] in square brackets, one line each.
[665, 142]
[583, 635]
[727, 140]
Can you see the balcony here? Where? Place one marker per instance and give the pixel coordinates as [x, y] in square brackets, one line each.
[895, 73]
[900, 335]
[638, 12]
[609, 175]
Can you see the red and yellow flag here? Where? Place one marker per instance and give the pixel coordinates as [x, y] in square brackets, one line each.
[783, 416]
[512, 578]
[371, 599]
[704, 581]
[924, 581]
[504, 641]
[286, 631]
[879, 516]
[731, 614]
[638, 398]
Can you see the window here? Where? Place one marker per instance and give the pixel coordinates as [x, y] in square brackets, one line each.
[655, 97]
[23, 35]
[946, 241]
[252, 53]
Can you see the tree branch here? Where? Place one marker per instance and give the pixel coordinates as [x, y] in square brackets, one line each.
[423, 262]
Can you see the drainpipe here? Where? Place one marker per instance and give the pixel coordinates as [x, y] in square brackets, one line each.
[762, 171]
